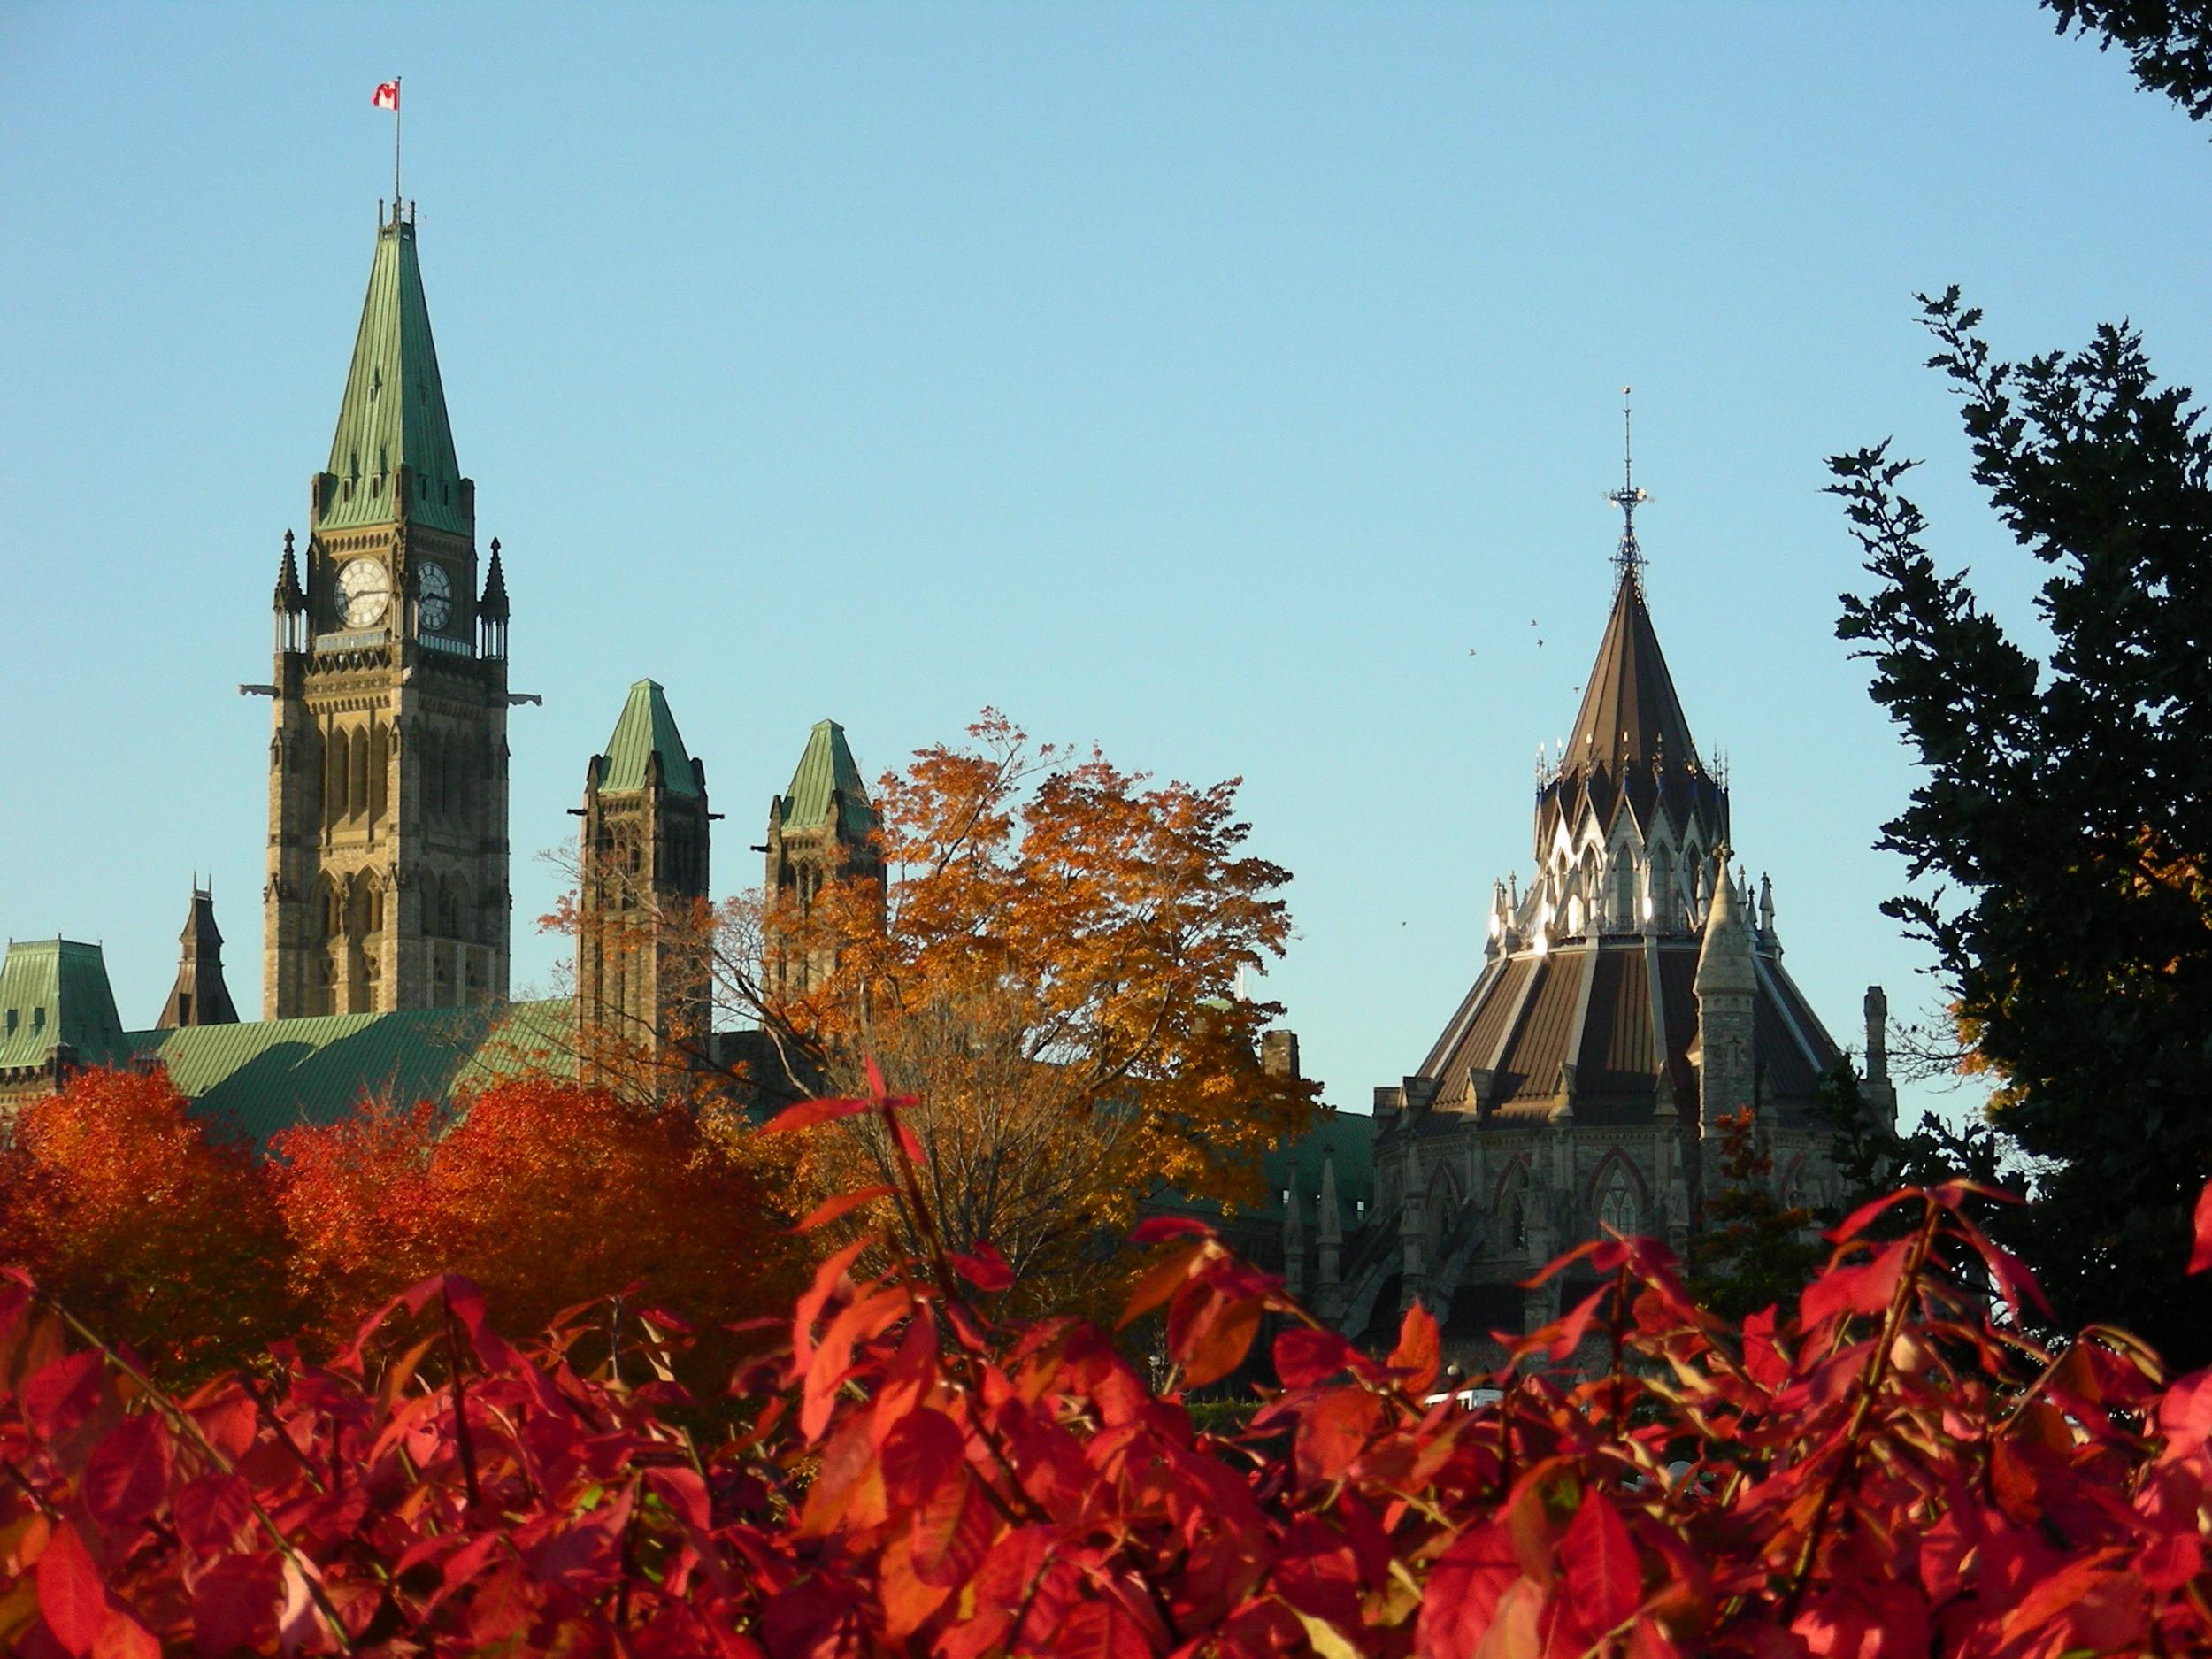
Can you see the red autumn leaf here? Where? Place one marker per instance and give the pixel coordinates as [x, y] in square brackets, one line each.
[827, 1369]
[1304, 1356]
[2171, 1562]
[1462, 1593]
[1420, 1350]
[127, 1475]
[808, 1113]
[1156, 1229]
[987, 1269]
[1855, 1224]
[1161, 1281]
[951, 1531]
[814, 1618]
[57, 1397]
[1334, 1432]
[907, 1602]
[844, 1203]
[2201, 1258]
[1213, 1337]
[1517, 1631]
[827, 1277]
[1099, 1630]
[1602, 1573]
[924, 1450]
[71, 1597]
[211, 1511]
[1567, 1332]
[1761, 1356]
[123, 1637]
[2184, 1415]
[1866, 1288]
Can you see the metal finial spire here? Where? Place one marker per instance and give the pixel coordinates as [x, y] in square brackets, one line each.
[1629, 557]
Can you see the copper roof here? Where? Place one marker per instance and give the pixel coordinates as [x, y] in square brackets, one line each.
[645, 729]
[1520, 1022]
[394, 411]
[1630, 714]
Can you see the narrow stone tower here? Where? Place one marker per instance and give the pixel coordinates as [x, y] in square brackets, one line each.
[1727, 988]
[642, 978]
[387, 767]
[822, 829]
[199, 996]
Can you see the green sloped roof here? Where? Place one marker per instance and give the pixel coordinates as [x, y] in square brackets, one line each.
[269, 1075]
[825, 770]
[645, 729]
[1349, 1138]
[54, 992]
[393, 411]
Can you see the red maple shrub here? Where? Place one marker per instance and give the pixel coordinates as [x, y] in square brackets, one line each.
[544, 1194]
[1878, 1470]
[152, 1223]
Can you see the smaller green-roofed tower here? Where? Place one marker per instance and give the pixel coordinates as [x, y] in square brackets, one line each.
[642, 909]
[823, 828]
[56, 1016]
[387, 793]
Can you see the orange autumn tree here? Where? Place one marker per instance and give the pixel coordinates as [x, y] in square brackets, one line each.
[154, 1227]
[362, 1214]
[546, 1193]
[1051, 965]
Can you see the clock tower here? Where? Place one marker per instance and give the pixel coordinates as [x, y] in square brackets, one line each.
[387, 767]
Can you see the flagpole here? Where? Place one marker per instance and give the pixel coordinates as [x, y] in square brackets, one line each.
[395, 101]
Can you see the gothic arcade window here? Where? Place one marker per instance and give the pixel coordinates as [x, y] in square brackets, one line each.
[1513, 1213]
[1617, 1208]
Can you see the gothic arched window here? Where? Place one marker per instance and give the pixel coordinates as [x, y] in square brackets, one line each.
[358, 774]
[1513, 1212]
[1617, 1204]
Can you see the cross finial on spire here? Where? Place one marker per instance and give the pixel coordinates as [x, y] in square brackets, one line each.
[1629, 557]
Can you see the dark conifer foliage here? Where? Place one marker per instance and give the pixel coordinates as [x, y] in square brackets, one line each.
[2169, 43]
[2061, 841]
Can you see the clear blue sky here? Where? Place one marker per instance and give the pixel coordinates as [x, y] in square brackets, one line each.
[1208, 381]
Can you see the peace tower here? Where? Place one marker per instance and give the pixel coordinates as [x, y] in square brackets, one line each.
[387, 767]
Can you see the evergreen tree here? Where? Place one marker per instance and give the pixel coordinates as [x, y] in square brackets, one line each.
[2065, 813]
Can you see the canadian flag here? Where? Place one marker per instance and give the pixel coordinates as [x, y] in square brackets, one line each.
[386, 96]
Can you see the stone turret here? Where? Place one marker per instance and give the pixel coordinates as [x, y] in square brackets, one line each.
[1879, 1093]
[1727, 983]
[289, 603]
[1293, 1244]
[1329, 1239]
[1412, 1219]
[199, 997]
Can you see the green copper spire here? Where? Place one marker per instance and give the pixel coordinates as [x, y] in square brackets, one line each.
[393, 413]
[647, 728]
[827, 770]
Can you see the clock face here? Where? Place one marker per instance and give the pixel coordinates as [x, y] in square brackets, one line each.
[363, 590]
[434, 590]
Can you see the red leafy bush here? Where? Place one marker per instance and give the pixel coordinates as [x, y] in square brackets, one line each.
[1878, 1470]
